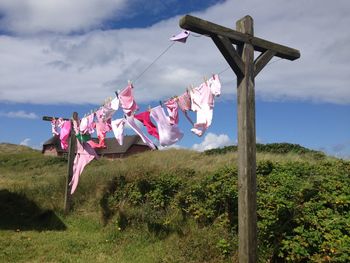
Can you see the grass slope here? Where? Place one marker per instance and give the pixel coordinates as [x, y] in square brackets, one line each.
[172, 206]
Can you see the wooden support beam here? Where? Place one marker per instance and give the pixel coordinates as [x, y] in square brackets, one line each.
[262, 60]
[203, 27]
[230, 54]
[247, 218]
[48, 118]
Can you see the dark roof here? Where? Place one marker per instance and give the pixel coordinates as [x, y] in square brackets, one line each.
[111, 143]
[54, 140]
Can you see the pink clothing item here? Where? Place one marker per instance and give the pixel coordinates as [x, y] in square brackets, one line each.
[118, 130]
[85, 154]
[168, 134]
[93, 144]
[181, 37]
[202, 101]
[131, 121]
[102, 127]
[64, 134]
[200, 95]
[173, 111]
[127, 101]
[184, 101]
[87, 125]
[144, 117]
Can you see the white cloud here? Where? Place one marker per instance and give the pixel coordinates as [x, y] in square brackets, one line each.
[19, 114]
[25, 142]
[173, 146]
[88, 68]
[63, 16]
[212, 141]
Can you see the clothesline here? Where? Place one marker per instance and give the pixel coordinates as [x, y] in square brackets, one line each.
[199, 99]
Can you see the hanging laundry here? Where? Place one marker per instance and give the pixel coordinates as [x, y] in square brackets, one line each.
[131, 121]
[109, 109]
[215, 85]
[127, 101]
[64, 134]
[54, 127]
[87, 124]
[181, 37]
[118, 129]
[144, 117]
[202, 102]
[85, 154]
[102, 127]
[168, 134]
[172, 108]
[184, 102]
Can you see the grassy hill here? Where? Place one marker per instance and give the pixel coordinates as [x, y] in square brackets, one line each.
[172, 206]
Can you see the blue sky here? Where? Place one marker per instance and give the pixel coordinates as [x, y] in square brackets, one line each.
[61, 56]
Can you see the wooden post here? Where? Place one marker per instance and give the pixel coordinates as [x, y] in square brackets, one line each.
[71, 157]
[247, 218]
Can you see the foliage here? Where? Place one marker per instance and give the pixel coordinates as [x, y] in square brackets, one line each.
[173, 206]
[277, 148]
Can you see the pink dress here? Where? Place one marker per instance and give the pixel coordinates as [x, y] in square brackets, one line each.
[168, 134]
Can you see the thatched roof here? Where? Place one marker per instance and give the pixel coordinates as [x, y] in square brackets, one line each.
[111, 143]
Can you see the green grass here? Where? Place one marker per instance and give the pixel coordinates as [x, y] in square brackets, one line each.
[171, 206]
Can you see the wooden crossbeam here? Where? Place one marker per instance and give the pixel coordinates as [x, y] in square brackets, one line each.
[203, 27]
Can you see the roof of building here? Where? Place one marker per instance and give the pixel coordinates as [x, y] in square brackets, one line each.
[112, 144]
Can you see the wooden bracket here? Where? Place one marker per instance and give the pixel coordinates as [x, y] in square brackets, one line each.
[230, 54]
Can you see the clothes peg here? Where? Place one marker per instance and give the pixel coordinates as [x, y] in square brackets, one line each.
[149, 108]
[116, 94]
[160, 103]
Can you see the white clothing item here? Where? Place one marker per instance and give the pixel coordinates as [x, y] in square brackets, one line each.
[215, 85]
[204, 119]
[86, 125]
[131, 121]
[115, 104]
[118, 129]
[168, 133]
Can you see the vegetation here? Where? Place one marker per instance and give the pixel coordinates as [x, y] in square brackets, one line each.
[173, 206]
